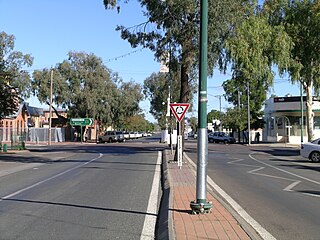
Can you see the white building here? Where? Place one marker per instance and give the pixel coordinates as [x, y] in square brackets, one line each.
[282, 116]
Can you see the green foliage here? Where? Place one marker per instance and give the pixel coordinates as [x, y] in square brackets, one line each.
[236, 92]
[173, 26]
[84, 86]
[138, 123]
[255, 48]
[193, 121]
[156, 89]
[235, 119]
[126, 102]
[214, 114]
[301, 21]
[14, 82]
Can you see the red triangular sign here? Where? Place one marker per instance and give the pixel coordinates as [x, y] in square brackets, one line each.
[179, 110]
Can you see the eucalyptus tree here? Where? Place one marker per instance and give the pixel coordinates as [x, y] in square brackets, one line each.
[301, 20]
[173, 26]
[137, 122]
[82, 84]
[235, 119]
[255, 48]
[126, 103]
[156, 88]
[14, 81]
[236, 92]
[214, 114]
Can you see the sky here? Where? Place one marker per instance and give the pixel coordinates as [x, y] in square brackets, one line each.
[49, 29]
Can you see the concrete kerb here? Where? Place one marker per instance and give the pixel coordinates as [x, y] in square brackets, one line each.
[164, 228]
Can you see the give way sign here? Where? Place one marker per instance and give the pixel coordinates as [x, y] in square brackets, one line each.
[179, 110]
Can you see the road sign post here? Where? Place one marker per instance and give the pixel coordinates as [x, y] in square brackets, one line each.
[81, 122]
[179, 110]
[180, 152]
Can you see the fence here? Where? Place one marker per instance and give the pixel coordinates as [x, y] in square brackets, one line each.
[15, 138]
[42, 135]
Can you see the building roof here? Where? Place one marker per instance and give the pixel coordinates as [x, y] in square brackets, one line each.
[34, 111]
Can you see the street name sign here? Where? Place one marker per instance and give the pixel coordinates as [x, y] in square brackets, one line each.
[81, 121]
[179, 110]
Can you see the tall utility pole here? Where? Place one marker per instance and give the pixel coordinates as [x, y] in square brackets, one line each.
[249, 130]
[201, 205]
[220, 114]
[301, 108]
[50, 110]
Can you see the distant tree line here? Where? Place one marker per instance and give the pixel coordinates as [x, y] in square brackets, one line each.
[82, 85]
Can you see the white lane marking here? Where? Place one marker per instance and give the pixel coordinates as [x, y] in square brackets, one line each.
[256, 172]
[152, 209]
[260, 230]
[48, 179]
[312, 195]
[290, 173]
[292, 185]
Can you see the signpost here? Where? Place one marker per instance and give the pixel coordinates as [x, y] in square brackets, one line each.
[179, 153]
[82, 122]
[179, 110]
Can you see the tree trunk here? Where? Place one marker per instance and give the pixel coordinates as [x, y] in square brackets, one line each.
[185, 88]
[309, 111]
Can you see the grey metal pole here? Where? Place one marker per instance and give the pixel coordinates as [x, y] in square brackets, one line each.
[201, 205]
[301, 108]
[220, 114]
[249, 130]
[50, 110]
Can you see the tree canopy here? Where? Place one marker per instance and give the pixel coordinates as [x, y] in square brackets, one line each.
[14, 80]
[173, 26]
[301, 21]
[87, 88]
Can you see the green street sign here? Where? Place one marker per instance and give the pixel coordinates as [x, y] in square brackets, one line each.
[81, 121]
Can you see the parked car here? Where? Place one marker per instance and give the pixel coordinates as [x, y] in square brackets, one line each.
[126, 135]
[132, 135]
[311, 150]
[112, 136]
[217, 137]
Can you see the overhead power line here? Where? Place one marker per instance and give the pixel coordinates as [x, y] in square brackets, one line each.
[124, 55]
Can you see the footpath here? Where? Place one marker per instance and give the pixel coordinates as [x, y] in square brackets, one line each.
[180, 190]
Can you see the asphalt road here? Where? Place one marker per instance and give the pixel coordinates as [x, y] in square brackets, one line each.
[278, 188]
[80, 192]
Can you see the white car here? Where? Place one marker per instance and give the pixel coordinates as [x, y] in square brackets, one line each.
[311, 150]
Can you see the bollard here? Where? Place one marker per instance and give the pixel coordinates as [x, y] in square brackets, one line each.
[5, 147]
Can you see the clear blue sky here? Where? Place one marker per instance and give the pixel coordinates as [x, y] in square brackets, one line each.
[49, 29]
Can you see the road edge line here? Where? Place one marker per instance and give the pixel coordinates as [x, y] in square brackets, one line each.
[148, 230]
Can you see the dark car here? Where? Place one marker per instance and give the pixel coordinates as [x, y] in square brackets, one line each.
[217, 137]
